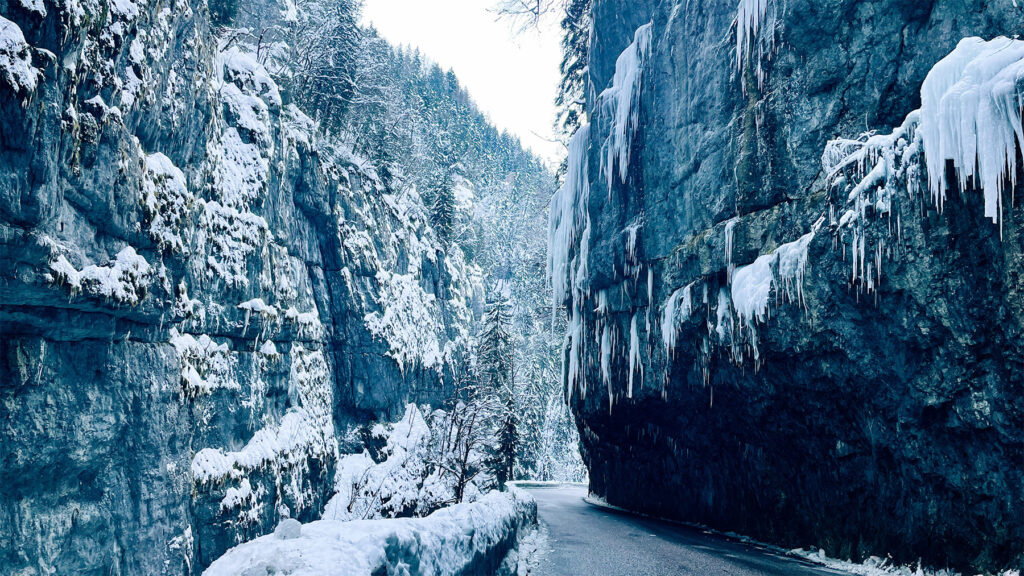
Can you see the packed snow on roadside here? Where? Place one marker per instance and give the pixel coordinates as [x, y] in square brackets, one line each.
[875, 566]
[447, 542]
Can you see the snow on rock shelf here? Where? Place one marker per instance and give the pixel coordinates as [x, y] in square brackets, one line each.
[304, 433]
[124, 279]
[16, 68]
[463, 539]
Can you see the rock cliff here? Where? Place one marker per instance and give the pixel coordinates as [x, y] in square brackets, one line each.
[793, 272]
[199, 293]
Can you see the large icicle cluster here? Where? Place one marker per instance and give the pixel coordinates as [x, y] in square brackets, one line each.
[971, 116]
[971, 112]
[569, 222]
[621, 103]
[782, 270]
[755, 35]
[677, 310]
[570, 228]
[569, 246]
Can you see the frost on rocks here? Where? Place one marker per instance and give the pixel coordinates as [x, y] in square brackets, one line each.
[125, 279]
[36, 6]
[205, 365]
[246, 503]
[306, 431]
[167, 201]
[448, 542]
[621, 102]
[406, 321]
[240, 165]
[16, 68]
[230, 236]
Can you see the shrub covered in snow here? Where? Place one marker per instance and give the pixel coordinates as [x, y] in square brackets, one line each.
[167, 202]
[205, 365]
[423, 466]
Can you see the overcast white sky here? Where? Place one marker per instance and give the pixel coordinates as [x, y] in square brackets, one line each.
[512, 77]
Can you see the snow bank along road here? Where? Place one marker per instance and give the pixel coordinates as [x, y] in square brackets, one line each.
[588, 540]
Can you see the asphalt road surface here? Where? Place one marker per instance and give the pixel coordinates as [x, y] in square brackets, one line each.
[588, 540]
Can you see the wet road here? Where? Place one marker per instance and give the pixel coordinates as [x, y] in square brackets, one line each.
[588, 540]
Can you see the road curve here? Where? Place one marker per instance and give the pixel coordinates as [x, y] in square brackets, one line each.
[588, 540]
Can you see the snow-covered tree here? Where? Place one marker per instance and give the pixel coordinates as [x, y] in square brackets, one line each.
[573, 67]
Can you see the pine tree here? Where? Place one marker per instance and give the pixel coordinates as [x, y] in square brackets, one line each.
[442, 212]
[495, 357]
[575, 62]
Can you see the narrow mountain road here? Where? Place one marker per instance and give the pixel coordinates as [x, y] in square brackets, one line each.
[588, 540]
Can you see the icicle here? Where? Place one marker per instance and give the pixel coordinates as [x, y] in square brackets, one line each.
[677, 309]
[621, 101]
[730, 230]
[634, 356]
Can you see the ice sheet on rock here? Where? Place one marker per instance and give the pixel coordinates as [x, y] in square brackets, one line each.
[621, 102]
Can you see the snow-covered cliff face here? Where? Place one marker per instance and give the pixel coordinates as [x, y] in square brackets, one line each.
[199, 293]
[783, 327]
